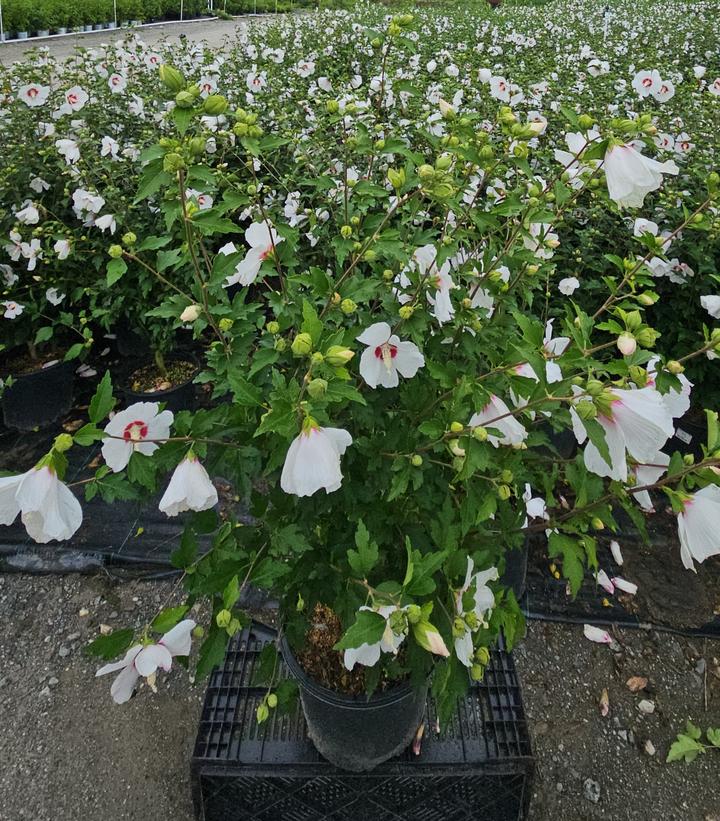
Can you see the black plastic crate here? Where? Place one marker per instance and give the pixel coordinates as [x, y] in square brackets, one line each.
[479, 767]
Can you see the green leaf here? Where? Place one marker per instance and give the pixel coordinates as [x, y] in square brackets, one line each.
[183, 118]
[109, 647]
[74, 351]
[231, 593]
[684, 747]
[368, 629]
[102, 402]
[116, 269]
[712, 424]
[596, 151]
[87, 435]
[153, 243]
[186, 553]
[311, 322]
[167, 619]
[572, 558]
[243, 391]
[410, 564]
[713, 736]
[212, 652]
[43, 334]
[365, 557]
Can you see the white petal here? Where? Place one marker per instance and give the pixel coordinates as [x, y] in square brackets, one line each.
[366, 654]
[464, 648]
[151, 657]
[9, 507]
[179, 640]
[377, 334]
[596, 634]
[123, 686]
[616, 553]
[119, 665]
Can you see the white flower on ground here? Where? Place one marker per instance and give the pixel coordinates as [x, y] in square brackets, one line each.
[483, 603]
[699, 526]
[129, 431]
[496, 414]
[639, 422]
[568, 286]
[711, 303]
[33, 95]
[387, 356]
[603, 580]
[631, 175]
[369, 654]
[261, 238]
[144, 660]
[313, 460]
[596, 634]
[48, 508]
[190, 488]
[624, 585]
[12, 309]
[616, 553]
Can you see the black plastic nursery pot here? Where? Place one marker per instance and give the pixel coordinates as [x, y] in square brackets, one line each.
[515, 574]
[357, 733]
[178, 398]
[40, 398]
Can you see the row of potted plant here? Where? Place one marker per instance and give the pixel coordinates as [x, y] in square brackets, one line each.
[24, 18]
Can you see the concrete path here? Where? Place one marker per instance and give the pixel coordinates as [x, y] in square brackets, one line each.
[215, 32]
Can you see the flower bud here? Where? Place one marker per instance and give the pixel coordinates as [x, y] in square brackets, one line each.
[280, 344]
[675, 367]
[172, 78]
[173, 163]
[184, 99]
[456, 427]
[597, 524]
[215, 105]
[370, 255]
[585, 121]
[506, 476]
[302, 345]
[638, 375]
[443, 162]
[477, 671]
[198, 631]
[504, 493]
[317, 358]
[414, 613]
[348, 307]
[273, 327]
[129, 238]
[689, 459]
[317, 388]
[397, 178]
[646, 337]
[586, 410]
[63, 442]
[262, 713]
[233, 627]
[115, 251]
[416, 460]
[455, 448]
[225, 324]
[472, 621]
[346, 231]
[594, 387]
[626, 344]
[223, 618]
[459, 627]
[338, 356]
[406, 311]
[190, 314]
[426, 172]
[447, 111]
[332, 106]
[272, 701]
[480, 433]
[647, 298]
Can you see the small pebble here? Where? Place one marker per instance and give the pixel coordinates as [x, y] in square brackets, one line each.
[559, 787]
[105, 629]
[45, 691]
[591, 790]
[83, 612]
[646, 707]
[649, 747]
[73, 637]
[52, 681]
[63, 652]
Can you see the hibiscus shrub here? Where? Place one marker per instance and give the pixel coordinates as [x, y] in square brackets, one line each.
[372, 268]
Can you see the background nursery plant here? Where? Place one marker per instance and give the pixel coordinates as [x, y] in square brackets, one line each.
[383, 267]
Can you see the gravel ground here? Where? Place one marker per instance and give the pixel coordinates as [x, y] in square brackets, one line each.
[91, 760]
[215, 32]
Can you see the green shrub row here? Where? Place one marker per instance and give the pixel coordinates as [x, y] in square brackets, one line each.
[40, 15]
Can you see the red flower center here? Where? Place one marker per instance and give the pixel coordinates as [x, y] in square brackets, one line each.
[380, 350]
[72, 98]
[33, 92]
[135, 431]
[647, 82]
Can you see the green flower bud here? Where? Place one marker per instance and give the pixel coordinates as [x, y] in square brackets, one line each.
[115, 251]
[397, 178]
[442, 190]
[477, 671]
[172, 78]
[480, 433]
[355, 221]
[443, 162]
[585, 121]
[262, 713]
[215, 105]
[406, 311]
[647, 298]
[196, 146]
[173, 163]
[317, 388]
[416, 460]
[426, 172]
[225, 324]
[646, 337]
[338, 356]
[317, 358]
[233, 627]
[302, 345]
[472, 620]
[506, 476]
[713, 182]
[689, 459]
[638, 375]
[184, 99]
[272, 701]
[280, 344]
[376, 42]
[348, 307]
[346, 231]
[586, 410]
[198, 631]
[223, 619]
[370, 255]
[675, 367]
[129, 239]
[251, 189]
[414, 613]
[597, 524]
[63, 442]
[332, 106]
[504, 493]
[273, 327]
[486, 152]
[456, 427]
[594, 387]
[459, 627]
[482, 655]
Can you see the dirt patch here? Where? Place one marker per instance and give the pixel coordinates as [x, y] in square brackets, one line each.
[21, 364]
[150, 379]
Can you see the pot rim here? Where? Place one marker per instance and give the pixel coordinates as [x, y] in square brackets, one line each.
[151, 396]
[55, 364]
[335, 699]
